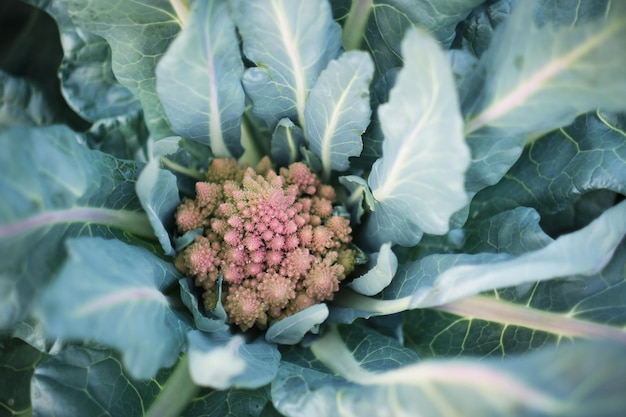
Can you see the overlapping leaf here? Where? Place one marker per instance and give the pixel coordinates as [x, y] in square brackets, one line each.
[418, 183]
[53, 188]
[541, 383]
[338, 112]
[199, 80]
[556, 169]
[390, 19]
[125, 288]
[291, 42]
[138, 33]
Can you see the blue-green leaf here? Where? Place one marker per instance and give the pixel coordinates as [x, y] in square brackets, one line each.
[139, 33]
[292, 329]
[531, 71]
[418, 183]
[53, 187]
[221, 360]
[121, 304]
[383, 266]
[213, 321]
[338, 110]
[286, 142]
[199, 80]
[584, 252]
[291, 42]
[22, 103]
[343, 379]
[158, 194]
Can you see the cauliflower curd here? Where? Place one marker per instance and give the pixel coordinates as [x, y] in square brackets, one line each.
[272, 237]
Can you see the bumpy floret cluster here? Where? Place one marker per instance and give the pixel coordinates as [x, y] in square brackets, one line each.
[272, 237]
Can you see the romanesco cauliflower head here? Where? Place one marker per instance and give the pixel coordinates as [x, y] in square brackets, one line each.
[272, 238]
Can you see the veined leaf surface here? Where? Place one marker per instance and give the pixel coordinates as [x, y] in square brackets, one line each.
[121, 304]
[139, 33]
[418, 183]
[338, 110]
[539, 78]
[291, 42]
[53, 187]
[199, 80]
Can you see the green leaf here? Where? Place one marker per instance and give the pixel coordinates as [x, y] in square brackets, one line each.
[85, 71]
[390, 19]
[418, 183]
[529, 85]
[383, 266]
[526, 317]
[479, 27]
[557, 168]
[138, 33]
[287, 140]
[22, 103]
[199, 80]
[221, 360]
[291, 330]
[83, 381]
[541, 383]
[338, 111]
[211, 321]
[52, 187]
[158, 194]
[123, 137]
[291, 42]
[17, 364]
[125, 287]
[515, 232]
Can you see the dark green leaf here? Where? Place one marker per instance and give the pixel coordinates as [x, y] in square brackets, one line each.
[17, 364]
[87, 382]
[121, 304]
[286, 142]
[139, 33]
[560, 166]
[390, 19]
[22, 103]
[85, 71]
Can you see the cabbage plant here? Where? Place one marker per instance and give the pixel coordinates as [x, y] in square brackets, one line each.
[313, 208]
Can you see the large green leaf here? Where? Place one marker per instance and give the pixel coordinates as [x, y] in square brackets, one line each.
[138, 33]
[576, 380]
[17, 364]
[291, 42]
[53, 187]
[557, 168]
[125, 287]
[390, 19]
[85, 71]
[555, 70]
[444, 278]
[529, 85]
[199, 80]
[84, 381]
[418, 183]
[338, 111]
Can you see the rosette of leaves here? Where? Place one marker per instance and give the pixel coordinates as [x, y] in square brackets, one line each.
[478, 150]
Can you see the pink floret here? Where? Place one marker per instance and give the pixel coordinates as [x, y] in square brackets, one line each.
[271, 237]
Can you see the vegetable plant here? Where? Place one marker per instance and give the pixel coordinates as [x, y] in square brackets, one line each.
[313, 207]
